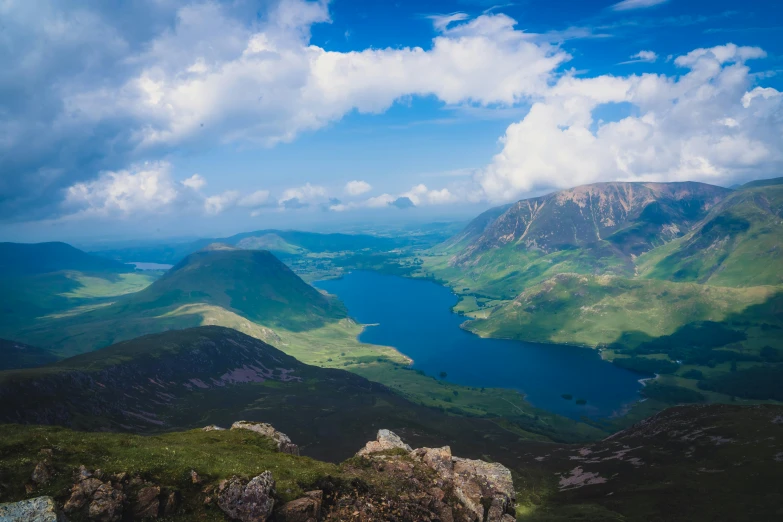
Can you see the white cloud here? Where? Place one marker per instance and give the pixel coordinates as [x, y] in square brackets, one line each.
[627, 5]
[304, 196]
[643, 56]
[357, 188]
[214, 78]
[255, 199]
[442, 22]
[220, 202]
[145, 187]
[195, 182]
[705, 125]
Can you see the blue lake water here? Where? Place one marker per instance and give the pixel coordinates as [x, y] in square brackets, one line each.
[415, 317]
[151, 266]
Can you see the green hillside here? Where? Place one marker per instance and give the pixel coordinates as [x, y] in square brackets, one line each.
[252, 283]
[651, 273]
[738, 244]
[38, 258]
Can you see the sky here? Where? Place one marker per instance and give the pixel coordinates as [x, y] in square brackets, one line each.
[161, 118]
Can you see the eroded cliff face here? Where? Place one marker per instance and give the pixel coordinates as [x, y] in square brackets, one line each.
[645, 213]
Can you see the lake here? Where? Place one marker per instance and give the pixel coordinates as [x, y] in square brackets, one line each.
[415, 317]
[150, 266]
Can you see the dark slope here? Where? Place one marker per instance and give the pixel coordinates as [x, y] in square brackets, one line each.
[688, 463]
[634, 217]
[14, 355]
[739, 243]
[253, 283]
[39, 258]
[281, 242]
[212, 375]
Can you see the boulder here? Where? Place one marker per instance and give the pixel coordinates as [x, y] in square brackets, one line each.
[385, 440]
[147, 503]
[305, 509]
[477, 483]
[212, 427]
[82, 492]
[106, 505]
[248, 502]
[284, 444]
[42, 474]
[41, 509]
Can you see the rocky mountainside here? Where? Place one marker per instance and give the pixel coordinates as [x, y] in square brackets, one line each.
[38, 258]
[635, 217]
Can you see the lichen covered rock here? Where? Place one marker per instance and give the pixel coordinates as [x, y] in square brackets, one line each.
[41, 509]
[248, 501]
[305, 509]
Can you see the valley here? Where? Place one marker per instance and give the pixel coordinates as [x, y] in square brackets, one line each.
[528, 338]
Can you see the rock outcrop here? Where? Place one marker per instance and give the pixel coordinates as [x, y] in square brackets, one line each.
[484, 489]
[41, 509]
[251, 501]
[305, 509]
[386, 440]
[284, 444]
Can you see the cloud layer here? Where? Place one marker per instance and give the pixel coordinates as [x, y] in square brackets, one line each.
[96, 97]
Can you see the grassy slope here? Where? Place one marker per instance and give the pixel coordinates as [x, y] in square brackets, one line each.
[738, 244]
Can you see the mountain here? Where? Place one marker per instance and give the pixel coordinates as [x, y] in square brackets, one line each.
[38, 258]
[474, 229]
[252, 283]
[633, 217]
[15, 355]
[213, 375]
[281, 242]
[739, 243]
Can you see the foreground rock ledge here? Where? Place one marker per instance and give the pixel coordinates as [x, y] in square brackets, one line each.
[284, 444]
[485, 489]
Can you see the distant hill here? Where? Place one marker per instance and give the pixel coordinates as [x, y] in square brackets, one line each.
[39, 258]
[250, 290]
[634, 217]
[763, 183]
[14, 355]
[253, 283]
[281, 242]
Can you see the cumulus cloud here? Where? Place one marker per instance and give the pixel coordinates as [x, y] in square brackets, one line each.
[357, 188]
[146, 187]
[304, 196]
[255, 199]
[220, 202]
[628, 5]
[92, 87]
[706, 125]
[195, 182]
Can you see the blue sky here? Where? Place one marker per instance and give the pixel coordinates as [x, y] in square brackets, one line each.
[162, 118]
